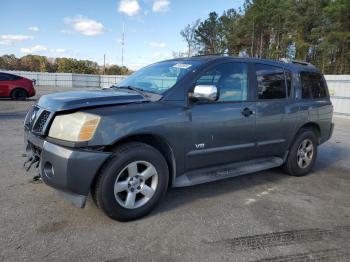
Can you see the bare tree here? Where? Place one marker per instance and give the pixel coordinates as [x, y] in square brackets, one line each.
[179, 54]
[188, 34]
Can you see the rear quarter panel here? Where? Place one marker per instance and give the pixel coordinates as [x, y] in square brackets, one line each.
[319, 112]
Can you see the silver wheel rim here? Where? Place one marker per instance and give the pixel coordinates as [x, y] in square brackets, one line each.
[305, 153]
[136, 184]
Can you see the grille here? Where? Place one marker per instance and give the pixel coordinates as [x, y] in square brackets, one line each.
[41, 121]
[31, 117]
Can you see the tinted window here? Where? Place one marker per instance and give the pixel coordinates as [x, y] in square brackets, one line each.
[14, 77]
[271, 82]
[231, 79]
[5, 77]
[312, 86]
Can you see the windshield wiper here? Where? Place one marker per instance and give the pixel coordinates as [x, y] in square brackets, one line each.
[138, 90]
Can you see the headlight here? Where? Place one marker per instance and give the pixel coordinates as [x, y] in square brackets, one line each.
[76, 127]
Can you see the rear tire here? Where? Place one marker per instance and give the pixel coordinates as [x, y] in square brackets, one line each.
[302, 154]
[19, 94]
[132, 182]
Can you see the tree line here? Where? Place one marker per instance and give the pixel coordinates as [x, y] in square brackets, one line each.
[36, 63]
[316, 31]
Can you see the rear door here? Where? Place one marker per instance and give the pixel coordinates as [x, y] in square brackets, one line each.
[222, 132]
[276, 110]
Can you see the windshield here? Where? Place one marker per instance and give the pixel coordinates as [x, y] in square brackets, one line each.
[159, 77]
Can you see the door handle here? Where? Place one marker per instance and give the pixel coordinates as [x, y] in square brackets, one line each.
[247, 112]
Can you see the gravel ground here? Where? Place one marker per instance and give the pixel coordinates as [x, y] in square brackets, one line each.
[266, 216]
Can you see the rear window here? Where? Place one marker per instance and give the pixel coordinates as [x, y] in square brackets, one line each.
[312, 86]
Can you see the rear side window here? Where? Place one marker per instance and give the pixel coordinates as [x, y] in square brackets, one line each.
[312, 86]
[271, 82]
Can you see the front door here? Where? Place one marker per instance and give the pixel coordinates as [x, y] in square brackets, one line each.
[4, 84]
[222, 132]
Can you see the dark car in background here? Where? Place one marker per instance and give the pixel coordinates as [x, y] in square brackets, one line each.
[16, 87]
[178, 123]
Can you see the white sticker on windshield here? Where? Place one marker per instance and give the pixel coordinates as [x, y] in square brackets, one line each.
[182, 66]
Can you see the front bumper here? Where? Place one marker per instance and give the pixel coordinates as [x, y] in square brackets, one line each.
[331, 131]
[70, 171]
[32, 92]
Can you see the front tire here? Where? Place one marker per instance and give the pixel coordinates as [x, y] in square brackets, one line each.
[19, 94]
[132, 182]
[303, 154]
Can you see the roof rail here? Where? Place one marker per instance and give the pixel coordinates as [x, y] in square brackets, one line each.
[216, 54]
[287, 60]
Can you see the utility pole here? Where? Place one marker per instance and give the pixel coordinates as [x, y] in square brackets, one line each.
[123, 41]
[104, 63]
[253, 35]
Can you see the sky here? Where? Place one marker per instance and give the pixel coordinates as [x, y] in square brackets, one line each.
[89, 29]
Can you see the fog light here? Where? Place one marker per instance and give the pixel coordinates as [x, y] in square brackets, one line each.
[49, 170]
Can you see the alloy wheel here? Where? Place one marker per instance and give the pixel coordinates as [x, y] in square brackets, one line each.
[136, 184]
[305, 153]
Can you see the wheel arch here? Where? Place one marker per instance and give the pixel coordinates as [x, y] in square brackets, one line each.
[311, 126]
[156, 141]
[288, 165]
[18, 88]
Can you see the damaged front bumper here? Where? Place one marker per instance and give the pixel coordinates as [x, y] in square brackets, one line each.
[71, 171]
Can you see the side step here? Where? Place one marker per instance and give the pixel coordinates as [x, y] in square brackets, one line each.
[220, 172]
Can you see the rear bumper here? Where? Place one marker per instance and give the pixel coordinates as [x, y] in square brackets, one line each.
[326, 133]
[70, 171]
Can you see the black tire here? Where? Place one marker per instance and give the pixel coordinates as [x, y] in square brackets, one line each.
[291, 165]
[103, 188]
[19, 94]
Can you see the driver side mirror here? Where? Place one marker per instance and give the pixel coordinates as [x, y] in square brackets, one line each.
[205, 93]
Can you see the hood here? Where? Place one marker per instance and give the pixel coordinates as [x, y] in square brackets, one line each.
[88, 98]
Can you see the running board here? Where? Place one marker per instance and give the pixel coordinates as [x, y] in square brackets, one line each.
[221, 172]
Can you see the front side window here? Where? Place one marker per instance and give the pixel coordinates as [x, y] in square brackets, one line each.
[231, 79]
[160, 77]
[271, 82]
[312, 86]
[5, 77]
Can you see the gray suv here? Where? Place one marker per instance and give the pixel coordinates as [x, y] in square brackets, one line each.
[178, 123]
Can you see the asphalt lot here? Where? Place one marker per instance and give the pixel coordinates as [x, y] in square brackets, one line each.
[266, 216]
